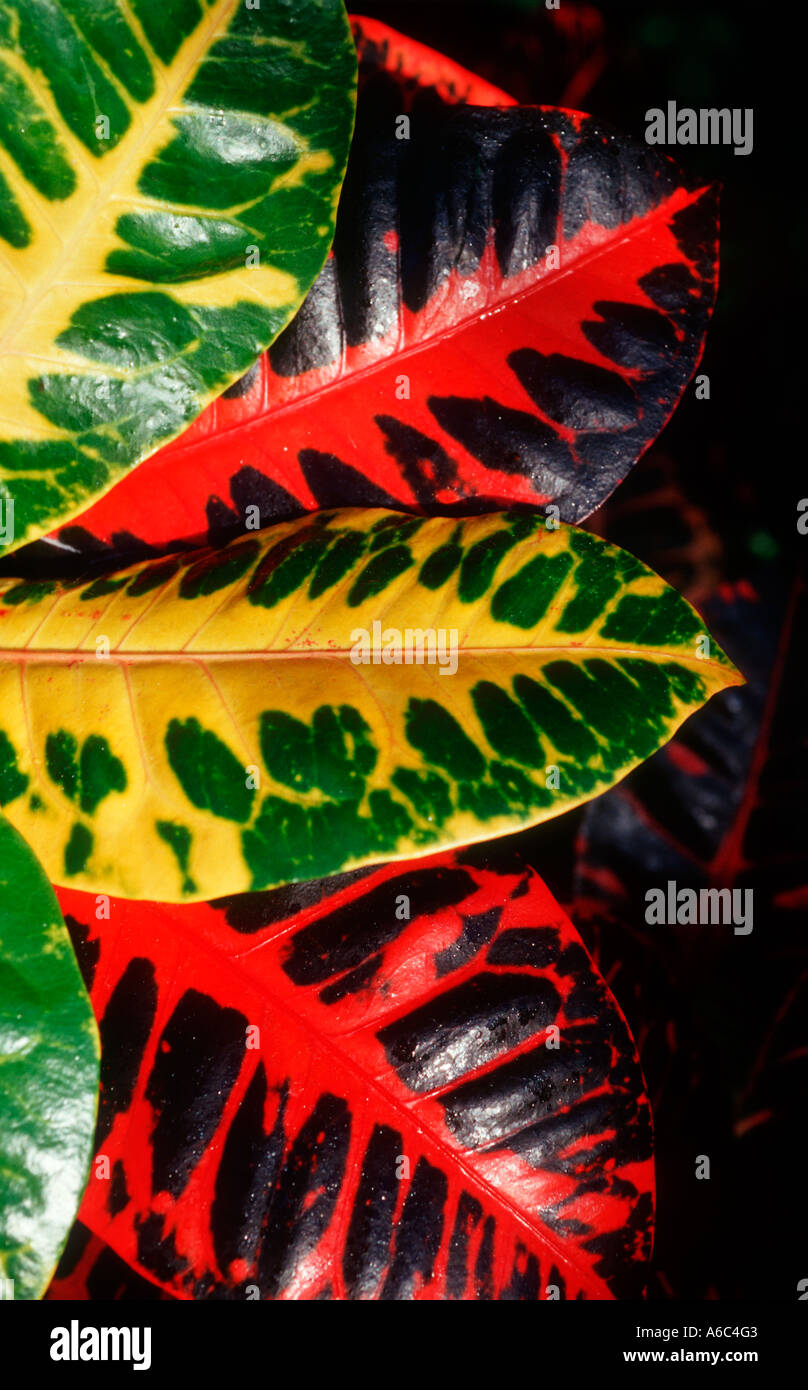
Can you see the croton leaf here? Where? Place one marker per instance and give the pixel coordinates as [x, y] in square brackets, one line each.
[48, 1073]
[515, 302]
[168, 189]
[240, 718]
[402, 1083]
[89, 1270]
[420, 73]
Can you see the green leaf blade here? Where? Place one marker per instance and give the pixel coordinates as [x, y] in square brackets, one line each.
[49, 1059]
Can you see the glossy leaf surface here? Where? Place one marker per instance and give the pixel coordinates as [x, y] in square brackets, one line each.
[352, 688]
[407, 1083]
[168, 182]
[89, 1270]
[48, 1073]
[448, 356]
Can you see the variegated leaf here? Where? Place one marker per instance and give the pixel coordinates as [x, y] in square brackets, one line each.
[169, 173]
[240, 718]
[515, 302]
[408, 1082]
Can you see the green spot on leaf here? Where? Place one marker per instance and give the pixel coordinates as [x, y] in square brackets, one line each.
[211, 776]
[393, 532]
[428, 792]
[436, 734]
[598, 578]
[178, 839]
[552, 717]
[216, 572]
[100, 772]
[12, 782]
[663, 620]
[381, 571]
[153, 578]
[337, 562]
[287, 565]
[30, 591]
[87, 778]
[440, 565]
[524, 599]
[61, 760]
[100, 588]
[480, 564]
[335, 754]
[78, 849]
[507, 728]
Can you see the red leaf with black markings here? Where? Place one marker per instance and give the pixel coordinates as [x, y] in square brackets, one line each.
[89, 1271]
[307, 1094]
[420, 73]
[515, 302]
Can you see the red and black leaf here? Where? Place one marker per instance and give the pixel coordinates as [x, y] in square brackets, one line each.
[527, 48]
[89, 1271]
[419, 74]
[448, 358]
[310, 1094]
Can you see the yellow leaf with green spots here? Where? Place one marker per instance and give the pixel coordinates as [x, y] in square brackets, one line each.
[169, 176]
[351, 687]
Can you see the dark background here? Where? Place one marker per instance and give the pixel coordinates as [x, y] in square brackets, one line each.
[720, 1019]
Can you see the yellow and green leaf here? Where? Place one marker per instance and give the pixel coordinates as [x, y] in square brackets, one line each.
[169, 175]
[204, 725]
[49, 1055]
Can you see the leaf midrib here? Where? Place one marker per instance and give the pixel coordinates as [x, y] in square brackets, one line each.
[349, 376]
[332, 1046]
[69, 656]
